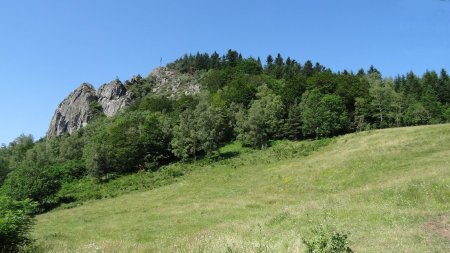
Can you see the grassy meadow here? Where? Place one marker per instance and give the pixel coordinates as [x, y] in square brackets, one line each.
[389, 189]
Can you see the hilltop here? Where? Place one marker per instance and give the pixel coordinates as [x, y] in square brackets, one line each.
[147, 132]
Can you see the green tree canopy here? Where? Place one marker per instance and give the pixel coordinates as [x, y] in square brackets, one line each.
[198, 130]
[263, 120]
[130, 142]
[323, 115]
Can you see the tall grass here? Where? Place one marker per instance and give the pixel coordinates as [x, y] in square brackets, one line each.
[389, 189]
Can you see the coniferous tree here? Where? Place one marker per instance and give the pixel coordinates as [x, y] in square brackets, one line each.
[308, 69]
[443, 89]
[430, 81]
[319, 68]
[279, 66]
[232, 58]
[325, 81]
[269, 62]
[350, 87]
[413, 86]
[373, 70]
[288, 62]
[215, 60]
[431, 103]
[258, 61]
[361, 73]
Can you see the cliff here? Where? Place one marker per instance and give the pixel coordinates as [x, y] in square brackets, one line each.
[75, 111]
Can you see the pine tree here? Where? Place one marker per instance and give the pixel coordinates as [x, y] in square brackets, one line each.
[215, 61]
[443, 89]
[232, 58]
[279, 66]
[269, 61]
[308, 69]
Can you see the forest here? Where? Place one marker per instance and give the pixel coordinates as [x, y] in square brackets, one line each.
[242, 99]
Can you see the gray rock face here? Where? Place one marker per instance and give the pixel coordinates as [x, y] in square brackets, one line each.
[73, 112]
[113, 97]
[173, 84]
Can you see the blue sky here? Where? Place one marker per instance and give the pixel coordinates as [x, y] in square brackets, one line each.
[48, 48]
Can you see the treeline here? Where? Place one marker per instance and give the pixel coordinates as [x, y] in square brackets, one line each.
[242, 100]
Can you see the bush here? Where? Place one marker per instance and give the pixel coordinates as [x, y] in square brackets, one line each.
[38, 184]
[15, 223]
[129, 143]
[323, 240]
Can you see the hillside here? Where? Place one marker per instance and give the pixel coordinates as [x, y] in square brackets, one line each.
[389, 188]
[199, 123]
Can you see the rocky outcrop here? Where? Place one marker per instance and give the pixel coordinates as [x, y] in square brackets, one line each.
[173, 84]
[113, 97]
[81, 105]
[73, 112]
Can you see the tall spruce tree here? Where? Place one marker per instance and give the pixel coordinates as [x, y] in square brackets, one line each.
[443, 89]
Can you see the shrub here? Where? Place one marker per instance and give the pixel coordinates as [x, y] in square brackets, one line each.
[129, 143]
[323, 240]
[38, 184]
[15, 223]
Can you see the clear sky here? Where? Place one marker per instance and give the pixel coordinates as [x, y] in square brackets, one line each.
[48, 48]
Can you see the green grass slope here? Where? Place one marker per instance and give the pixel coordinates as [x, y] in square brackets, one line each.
[390, 189]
